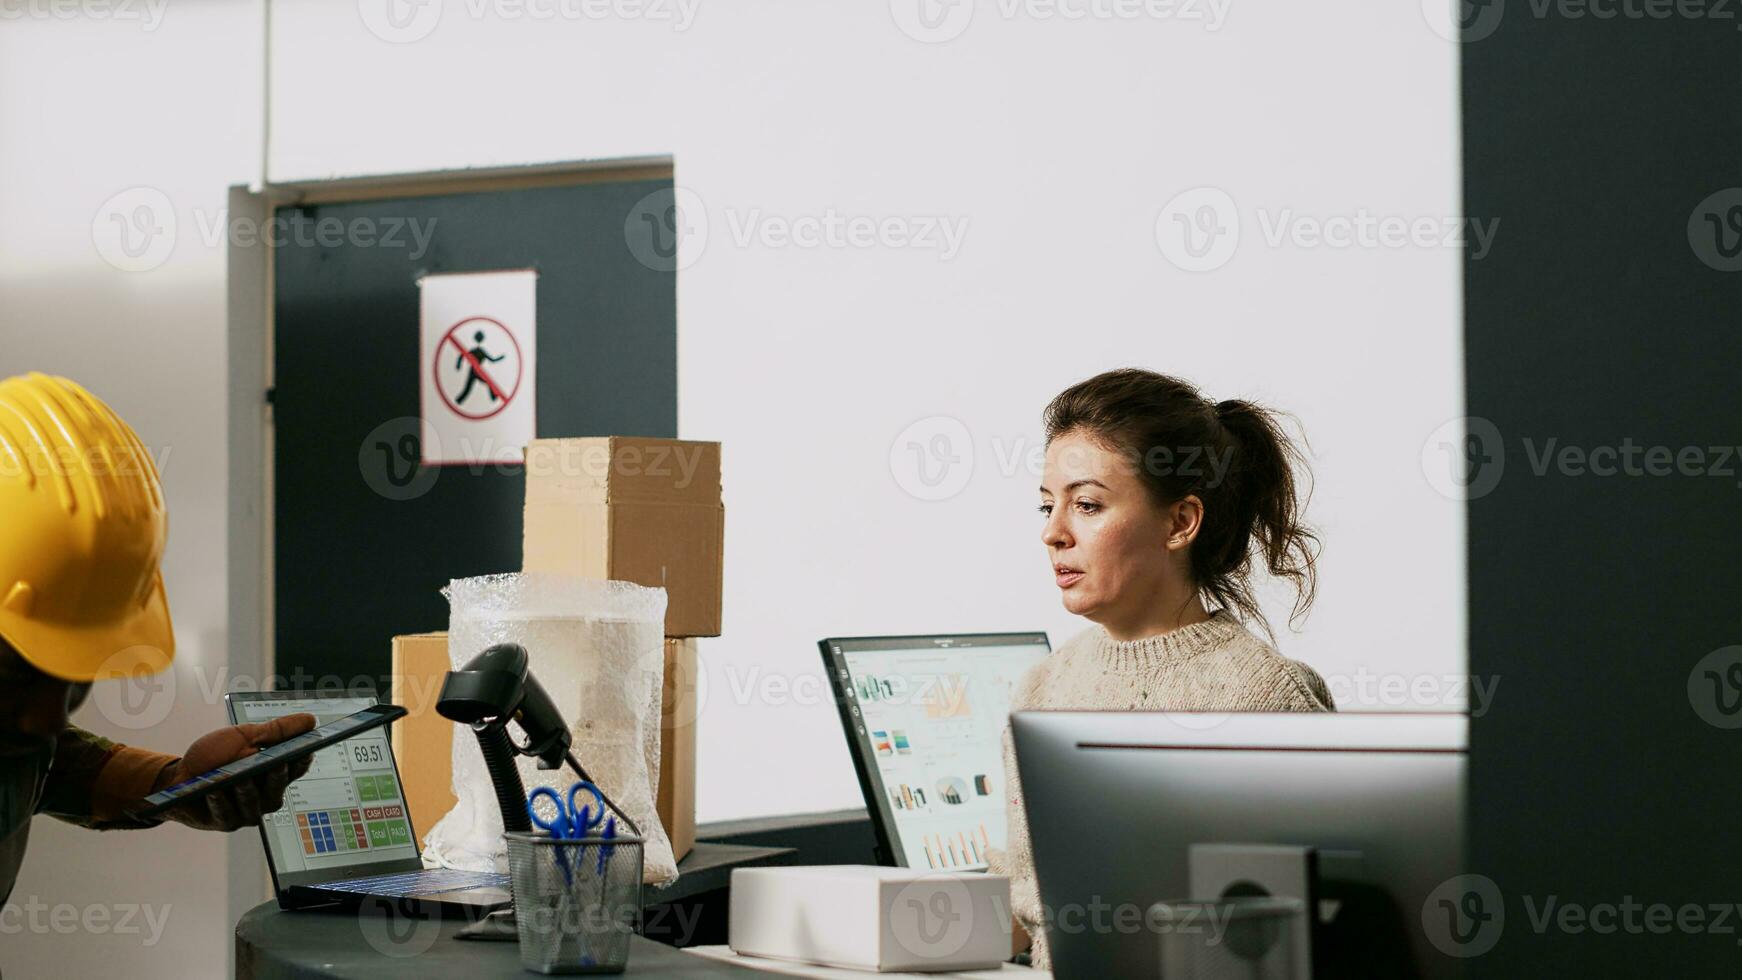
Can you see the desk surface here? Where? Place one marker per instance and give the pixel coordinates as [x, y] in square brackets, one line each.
[709, 866]
[275, 945]
[370, 945]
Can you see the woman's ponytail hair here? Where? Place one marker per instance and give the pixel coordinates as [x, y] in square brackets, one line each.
[1233, 455]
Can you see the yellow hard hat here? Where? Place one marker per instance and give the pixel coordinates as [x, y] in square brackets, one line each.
[81, 595]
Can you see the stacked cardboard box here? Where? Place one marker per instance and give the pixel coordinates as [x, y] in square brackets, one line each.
[646, 511]
[676, 800]
[636, 510]
[632, 509]
[423, 741]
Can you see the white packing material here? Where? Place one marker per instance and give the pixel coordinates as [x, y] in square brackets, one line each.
[598, 648]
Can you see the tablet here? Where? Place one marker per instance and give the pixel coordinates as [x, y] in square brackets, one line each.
[287, 751]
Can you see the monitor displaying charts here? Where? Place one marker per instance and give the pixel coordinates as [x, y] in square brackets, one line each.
[925, 716]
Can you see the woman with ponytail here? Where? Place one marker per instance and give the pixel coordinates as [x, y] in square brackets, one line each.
[1157, 503]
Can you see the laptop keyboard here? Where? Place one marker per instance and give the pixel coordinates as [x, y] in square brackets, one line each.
[417, 883]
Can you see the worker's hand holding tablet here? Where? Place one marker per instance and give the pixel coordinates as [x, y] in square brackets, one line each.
[244, 801]
[232, 777]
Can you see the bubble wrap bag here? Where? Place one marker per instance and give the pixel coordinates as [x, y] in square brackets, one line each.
[598, 648]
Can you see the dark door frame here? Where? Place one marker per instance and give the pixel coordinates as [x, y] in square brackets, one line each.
[249, 653]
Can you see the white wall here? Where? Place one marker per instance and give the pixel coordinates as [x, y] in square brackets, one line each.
[90, 107]
[1059, 143]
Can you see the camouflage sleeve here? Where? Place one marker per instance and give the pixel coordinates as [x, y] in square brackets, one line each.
[92, 778]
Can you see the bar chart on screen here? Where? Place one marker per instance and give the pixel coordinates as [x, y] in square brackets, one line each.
[964, 848]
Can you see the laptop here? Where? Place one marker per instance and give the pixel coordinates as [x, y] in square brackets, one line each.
[345, 833]
[925, 719]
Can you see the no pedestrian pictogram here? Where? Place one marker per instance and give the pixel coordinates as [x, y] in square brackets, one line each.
[478, 367]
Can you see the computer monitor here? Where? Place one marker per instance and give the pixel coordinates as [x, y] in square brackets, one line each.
[1115, 799]
[925, 717]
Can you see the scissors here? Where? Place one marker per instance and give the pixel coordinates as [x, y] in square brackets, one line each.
[572, 822]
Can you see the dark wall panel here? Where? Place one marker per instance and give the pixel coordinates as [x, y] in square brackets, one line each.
[1599, 777]
[359, 559]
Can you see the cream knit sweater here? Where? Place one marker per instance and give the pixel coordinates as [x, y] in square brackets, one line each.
[1215, 665]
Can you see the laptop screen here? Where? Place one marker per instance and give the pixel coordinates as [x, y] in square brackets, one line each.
[925, 716]
[348, 812]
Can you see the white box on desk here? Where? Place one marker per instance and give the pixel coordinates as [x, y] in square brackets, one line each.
[871, 918]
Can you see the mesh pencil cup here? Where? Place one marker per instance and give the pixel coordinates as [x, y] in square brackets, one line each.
[576, 901]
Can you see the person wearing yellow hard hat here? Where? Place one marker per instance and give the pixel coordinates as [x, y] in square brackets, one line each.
[82, 530]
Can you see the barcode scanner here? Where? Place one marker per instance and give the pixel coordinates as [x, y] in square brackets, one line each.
[497, 686]
[492, 689]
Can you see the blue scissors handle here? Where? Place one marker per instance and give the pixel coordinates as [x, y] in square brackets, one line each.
[559, 825]
[584, 818]
[571, 821]
[609, 834]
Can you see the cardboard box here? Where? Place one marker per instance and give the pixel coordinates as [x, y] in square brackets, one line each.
[676, 801]
[423, 741]
[637, 510]
[861, 917]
